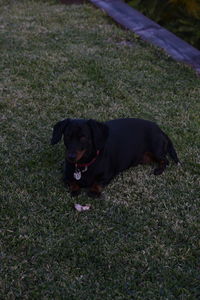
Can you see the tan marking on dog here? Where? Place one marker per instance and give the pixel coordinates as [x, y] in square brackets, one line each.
[80, 154]
[74, 187]
[148, 158]
[96, 188]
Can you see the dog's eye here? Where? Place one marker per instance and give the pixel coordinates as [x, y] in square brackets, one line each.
[68, 136]
[83, 139]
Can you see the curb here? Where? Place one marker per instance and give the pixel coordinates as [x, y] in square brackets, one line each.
[151, 32]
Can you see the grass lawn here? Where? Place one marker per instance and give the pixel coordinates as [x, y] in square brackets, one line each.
[142, 239]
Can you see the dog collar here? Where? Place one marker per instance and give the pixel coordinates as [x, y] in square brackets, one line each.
[87, 164]
[78, 172]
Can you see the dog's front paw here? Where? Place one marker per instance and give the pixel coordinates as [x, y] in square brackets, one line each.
[93, 194]
[95, 191]
[74, 189]
[75, 193]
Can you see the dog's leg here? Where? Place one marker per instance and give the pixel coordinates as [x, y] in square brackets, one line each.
[95, 190]
[74, 189]
[162, 164]
[160, 153]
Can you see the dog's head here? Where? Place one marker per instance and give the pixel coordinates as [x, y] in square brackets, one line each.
[81, 137]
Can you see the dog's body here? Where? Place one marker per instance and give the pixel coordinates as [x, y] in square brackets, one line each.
[96, 152]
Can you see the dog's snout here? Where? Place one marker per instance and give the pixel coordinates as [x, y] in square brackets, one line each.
[72, 156]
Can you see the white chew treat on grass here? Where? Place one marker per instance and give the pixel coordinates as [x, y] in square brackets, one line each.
[80, 207]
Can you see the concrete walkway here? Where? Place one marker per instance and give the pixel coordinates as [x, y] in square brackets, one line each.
[150, 31]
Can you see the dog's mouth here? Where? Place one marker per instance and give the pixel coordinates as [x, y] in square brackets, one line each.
[74, 157]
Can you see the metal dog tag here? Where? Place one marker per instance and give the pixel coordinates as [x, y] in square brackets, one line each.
[85, 170]
[77, 174]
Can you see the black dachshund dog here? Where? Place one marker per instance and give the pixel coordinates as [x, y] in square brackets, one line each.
[97, 151]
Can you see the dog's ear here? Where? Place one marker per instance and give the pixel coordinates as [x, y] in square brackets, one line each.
[58, 130]
[99, 133]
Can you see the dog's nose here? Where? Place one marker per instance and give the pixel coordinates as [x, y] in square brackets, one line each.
[72, 156]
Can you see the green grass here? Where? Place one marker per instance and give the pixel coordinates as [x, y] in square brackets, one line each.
[142, 239]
